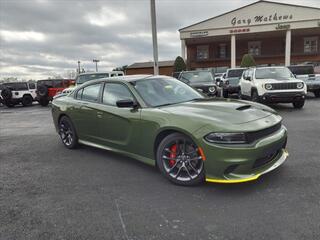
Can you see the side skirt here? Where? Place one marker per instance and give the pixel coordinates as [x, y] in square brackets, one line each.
[148, 161]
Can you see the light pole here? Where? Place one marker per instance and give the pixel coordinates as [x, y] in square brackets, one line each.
[96, 61]
[79, 67]
[154, 37]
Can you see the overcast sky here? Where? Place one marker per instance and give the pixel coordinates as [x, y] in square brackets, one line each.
[41, 37]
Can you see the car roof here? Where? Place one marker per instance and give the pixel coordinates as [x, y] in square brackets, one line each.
[127, 78]
[270, 67]
[88, 73]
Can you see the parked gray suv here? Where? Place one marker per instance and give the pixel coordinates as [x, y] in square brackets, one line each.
[306, 74]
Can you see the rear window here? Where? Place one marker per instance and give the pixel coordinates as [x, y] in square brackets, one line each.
[58, 83]
[235, 73]
[32, 85]
[18, 86]
[301, 70]
[48, 83]
[87, 77]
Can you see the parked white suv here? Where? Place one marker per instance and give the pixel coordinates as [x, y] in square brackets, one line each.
[14, 93]
[272, 85]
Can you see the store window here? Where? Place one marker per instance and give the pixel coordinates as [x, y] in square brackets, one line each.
[254, 48]
[311, 44]
[222, 50]
[203, 52]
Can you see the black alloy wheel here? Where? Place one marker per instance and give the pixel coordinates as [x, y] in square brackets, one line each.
[68, 133]
[180, 160]
[298, 104]
[27, 100]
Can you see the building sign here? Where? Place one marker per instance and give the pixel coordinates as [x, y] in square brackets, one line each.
[240, 30]
[260, 19]
[199, 34]
[283, 26]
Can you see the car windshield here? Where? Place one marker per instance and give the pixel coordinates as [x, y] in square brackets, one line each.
[302, 70]
[235, 73]
[87, 77]
[165, 91]
[274, 73]
[196, 76]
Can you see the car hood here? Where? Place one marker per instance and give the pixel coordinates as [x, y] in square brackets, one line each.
[202, 84]
[220, 111]
[271, 80]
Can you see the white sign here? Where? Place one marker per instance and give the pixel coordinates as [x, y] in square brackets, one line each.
[199, 34]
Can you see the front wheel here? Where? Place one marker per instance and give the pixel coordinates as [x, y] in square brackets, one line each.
[179, 160]
[68, 133]
[254, 96]
[298, 104]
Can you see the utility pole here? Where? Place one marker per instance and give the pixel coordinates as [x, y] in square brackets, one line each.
[96, 61]
[78, 67]
[154, 37]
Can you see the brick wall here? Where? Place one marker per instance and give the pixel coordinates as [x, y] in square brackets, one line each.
[162, 70]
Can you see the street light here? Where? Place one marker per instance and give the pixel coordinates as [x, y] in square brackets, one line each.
[154, 36]
[96, 61]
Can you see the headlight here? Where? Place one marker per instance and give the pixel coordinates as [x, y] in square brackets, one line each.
[231, 138]
[212, 89]
[268, 86]
[300, 85]
[227, 82]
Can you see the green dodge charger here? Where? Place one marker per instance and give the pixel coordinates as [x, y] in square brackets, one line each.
[164, 122]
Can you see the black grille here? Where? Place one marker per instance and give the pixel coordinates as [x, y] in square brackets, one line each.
[253, 136]
[264, 160]
[282, 86]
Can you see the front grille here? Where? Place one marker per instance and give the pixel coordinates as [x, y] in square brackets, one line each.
[283, 86]
[253, 136]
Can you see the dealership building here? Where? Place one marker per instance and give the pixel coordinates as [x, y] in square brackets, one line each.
[274, 33]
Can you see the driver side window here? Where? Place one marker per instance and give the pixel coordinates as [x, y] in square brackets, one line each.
[114, 92]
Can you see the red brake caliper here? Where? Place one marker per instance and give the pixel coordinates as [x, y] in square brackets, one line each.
[173, 154]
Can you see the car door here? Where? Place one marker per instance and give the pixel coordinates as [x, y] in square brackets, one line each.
[119, 127]
[84, 112]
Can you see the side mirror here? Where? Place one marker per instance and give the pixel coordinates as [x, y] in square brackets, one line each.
[126, 103]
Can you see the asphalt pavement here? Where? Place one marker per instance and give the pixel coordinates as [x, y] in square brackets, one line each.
[50, 192]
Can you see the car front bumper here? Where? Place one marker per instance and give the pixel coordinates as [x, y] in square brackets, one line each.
[234, 164]
[231, 89]
[282, 97]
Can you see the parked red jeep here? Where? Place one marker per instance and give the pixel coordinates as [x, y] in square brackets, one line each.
[47, 89]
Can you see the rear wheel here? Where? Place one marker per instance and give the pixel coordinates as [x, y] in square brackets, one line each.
[44, 102]
[225, 94]
[27, 100]
[8, 103]
[179, 160]
[317, 93]
[68, 133]
[298, 104]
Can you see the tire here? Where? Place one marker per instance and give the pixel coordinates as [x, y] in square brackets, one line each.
[8, 103]
[317, 93]
[225, 93]
[298, 104]
[44, 102]
[177, 166]
[42, 90]
[68, 133]
[6, 94]
[254, 96]
[27, 100]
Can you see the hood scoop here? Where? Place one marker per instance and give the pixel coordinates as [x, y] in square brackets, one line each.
[242, 108]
